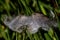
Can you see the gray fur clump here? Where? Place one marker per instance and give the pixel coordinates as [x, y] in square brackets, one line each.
[33, 22]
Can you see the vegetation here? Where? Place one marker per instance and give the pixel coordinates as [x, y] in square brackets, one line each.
[27, 7]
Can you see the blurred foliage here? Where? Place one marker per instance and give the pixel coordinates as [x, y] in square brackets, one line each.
[27, 7]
